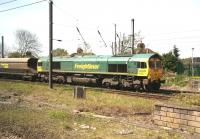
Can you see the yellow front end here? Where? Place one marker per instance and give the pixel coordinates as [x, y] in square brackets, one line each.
[142, 72]
[155, 69]
[155, 74]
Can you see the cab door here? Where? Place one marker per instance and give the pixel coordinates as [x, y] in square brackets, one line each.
[142, 68]
[132, 67]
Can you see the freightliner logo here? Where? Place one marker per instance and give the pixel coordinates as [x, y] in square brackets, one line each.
[86, 66]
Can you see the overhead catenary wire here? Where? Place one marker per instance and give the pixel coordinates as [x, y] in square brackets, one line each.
[7, 2]
[64, 12]
[74, 17]
[6, 10]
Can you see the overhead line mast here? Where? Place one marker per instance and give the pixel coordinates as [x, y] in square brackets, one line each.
[2, 47]
[50, 43]
[133, 37]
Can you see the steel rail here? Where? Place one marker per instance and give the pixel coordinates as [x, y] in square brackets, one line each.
[150, 95]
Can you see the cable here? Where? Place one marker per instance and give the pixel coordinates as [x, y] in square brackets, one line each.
[74, 17]
[7, 2]
[22, 6]
[64, 12]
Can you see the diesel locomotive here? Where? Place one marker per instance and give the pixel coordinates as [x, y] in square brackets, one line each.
[138, 71]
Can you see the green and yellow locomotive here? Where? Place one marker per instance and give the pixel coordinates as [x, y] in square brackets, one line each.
[139, 71]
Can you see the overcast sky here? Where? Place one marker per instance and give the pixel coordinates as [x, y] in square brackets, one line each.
[163, 23]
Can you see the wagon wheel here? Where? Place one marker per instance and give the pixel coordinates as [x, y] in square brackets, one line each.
[33, 78]
[41, 79]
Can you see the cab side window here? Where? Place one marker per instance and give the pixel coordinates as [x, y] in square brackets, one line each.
[39, 63]
[138, 64]
[141, 65]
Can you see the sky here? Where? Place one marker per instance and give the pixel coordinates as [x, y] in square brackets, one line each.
[163, 23]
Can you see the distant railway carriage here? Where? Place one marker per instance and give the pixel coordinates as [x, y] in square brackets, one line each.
[24, 67]
[140, 71]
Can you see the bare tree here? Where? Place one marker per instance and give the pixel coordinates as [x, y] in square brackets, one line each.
[27, 43]
[124, 47]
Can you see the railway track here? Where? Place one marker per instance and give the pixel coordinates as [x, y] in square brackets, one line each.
[163, 95]
[179, 91]
[139, 94]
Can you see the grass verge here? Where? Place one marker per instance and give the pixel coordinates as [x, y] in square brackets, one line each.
[45, 113]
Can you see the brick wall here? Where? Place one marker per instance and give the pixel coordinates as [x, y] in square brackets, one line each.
[195, 84]
[177, 118]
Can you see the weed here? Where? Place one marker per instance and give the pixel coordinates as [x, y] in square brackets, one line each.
[178, 80]
[187, 99]
[57, 114]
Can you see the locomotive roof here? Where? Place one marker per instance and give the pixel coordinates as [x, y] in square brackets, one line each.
[144, 55]
[103, 57]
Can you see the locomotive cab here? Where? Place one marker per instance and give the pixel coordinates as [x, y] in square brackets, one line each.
[155, 71]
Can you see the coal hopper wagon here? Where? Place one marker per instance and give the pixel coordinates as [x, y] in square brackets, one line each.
[25, 68]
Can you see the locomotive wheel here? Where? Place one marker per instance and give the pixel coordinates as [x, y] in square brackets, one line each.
[41, 79]
[120, 86]
[106, 85]
[148, 87]
[153, 87]
[46, 79]
[156, 86]
[138, 88]
[59, 81]
[33, 79]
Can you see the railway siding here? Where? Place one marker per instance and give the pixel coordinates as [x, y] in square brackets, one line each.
[174, 117]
